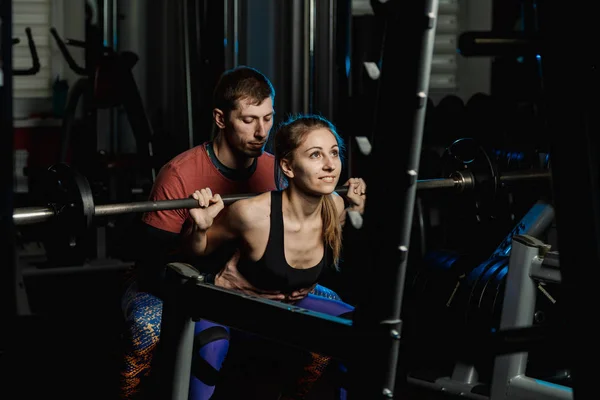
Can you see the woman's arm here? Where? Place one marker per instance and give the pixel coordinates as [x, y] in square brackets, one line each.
[213, 224]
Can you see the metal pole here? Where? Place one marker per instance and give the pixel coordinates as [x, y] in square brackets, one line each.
[438, 183]
[524, 176]
[404, 83]
[32, 215]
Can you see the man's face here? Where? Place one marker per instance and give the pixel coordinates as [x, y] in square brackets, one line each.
[248, 126]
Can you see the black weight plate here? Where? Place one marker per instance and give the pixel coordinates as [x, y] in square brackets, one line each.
[484, 282]
[69, 193]
[476, 273]
[468, 154]
[493, 297]
[475, 316]
[470, 281]
[86, 198]
[464, 213]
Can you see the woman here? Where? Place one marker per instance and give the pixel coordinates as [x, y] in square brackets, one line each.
[289, 236]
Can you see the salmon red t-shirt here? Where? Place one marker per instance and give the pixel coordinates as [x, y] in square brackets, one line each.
[193, 170]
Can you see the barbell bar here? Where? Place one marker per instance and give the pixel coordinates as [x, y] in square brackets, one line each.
[34, 215]
[459, 181]
[465, 180]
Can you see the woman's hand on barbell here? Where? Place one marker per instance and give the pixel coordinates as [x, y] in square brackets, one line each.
[357, 194]
[209, 206]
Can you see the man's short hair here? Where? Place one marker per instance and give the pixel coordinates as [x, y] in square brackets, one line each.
[239, 83]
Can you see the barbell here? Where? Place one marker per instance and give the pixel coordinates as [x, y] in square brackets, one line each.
[70, 199]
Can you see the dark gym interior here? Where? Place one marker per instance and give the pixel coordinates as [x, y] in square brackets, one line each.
[470, 121]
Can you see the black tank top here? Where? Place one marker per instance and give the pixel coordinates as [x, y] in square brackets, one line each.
[272, 272]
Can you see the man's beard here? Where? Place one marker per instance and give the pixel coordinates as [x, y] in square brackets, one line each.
[243, 150]
[255, 152]
[247, 152]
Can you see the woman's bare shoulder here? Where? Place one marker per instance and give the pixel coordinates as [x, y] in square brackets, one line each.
[253, 209]
[339, 201]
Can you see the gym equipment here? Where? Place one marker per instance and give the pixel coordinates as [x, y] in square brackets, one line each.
[185, 289]
[465, 180]
[486, 210]
[469, 305]
[444, 282]
[91, 141]
[467, 151]
[531, 264]
[518, 72]
[71, 202]
[35, 66]
[70, 195]
[486, 44]
[109, 84]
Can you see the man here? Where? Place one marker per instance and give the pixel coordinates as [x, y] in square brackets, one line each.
[233, 162]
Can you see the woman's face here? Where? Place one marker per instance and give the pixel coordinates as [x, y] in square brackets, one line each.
[316, 165]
